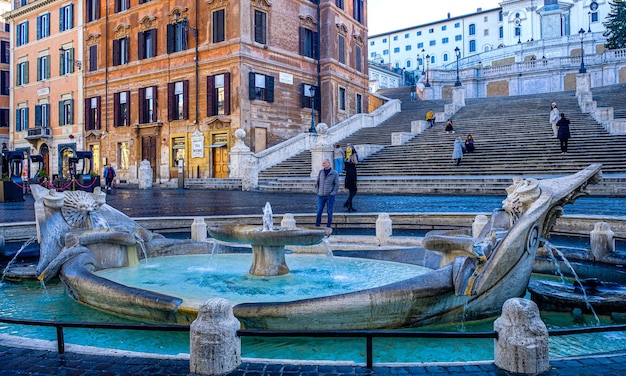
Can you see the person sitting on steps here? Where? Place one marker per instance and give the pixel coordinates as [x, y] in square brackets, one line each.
[449, 127]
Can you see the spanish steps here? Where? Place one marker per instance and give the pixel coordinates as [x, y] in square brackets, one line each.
[513, 137]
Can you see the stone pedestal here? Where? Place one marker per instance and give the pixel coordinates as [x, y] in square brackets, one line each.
[479, 223]
[522, 344]
[198, 229]
[243, 163]
[383, 228]
[145, 175]
[321, 150]
[288, 221]
[215, 348]
[602, 240]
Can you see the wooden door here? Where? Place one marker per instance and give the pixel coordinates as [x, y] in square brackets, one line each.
[220, 155]
[148, 152]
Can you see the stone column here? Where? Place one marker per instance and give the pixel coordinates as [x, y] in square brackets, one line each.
[321, 150]
[243, 163]
[145, 175]
[198, 229]
[215, 348]
[522, 344]
[602, 241]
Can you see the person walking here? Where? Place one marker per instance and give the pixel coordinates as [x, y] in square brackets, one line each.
[109, 175]
[350, 181]
[554, 118]
[326, 187]
[430, 117]
[457, 152]
[412, 92]
[338, 157]
[563, 132]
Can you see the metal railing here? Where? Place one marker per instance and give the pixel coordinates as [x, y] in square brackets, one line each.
[369, 335]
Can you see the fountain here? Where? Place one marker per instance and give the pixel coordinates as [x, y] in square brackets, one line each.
[474, 277]
[268, 243]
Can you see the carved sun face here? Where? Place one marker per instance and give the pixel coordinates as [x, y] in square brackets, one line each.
[76, 208]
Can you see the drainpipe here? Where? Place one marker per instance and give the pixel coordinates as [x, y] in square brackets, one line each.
[195, 33]
[319, 52]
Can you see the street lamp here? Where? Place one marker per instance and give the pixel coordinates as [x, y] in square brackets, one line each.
[457, 51]
[582, 69]
[589, 28]
[312, 92]
[427, 60]
[423, 61]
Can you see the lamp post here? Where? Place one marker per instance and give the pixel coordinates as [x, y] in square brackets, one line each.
[457, 51]
[582, 69]
[427, 82]
[423, 61]
[312, 92]
[589, 28]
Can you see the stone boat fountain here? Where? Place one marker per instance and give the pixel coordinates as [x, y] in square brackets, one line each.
[80, 234]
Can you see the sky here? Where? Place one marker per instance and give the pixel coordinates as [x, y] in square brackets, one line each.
[390, 15]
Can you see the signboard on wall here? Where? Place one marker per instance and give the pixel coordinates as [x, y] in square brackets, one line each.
[197, 144]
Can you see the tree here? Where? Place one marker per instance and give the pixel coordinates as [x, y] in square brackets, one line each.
[616, 25]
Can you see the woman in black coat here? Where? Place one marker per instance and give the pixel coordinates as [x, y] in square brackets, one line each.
[563, 132]
[350, 182]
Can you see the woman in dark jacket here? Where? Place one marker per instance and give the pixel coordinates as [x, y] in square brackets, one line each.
[563, 132]
[350, 181]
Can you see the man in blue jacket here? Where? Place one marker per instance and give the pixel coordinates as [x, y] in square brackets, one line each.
[326, 187]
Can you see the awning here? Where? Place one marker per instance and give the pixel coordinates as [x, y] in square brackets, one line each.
[217, 145]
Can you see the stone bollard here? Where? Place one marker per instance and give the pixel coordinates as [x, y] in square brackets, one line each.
[215, 348]
[145, 175]
[522, 344]
[288, 221]
[198, 229]
[602, 241]
[479, 223]
[383, 228]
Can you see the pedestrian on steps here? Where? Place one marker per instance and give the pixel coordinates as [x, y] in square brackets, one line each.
[457, 152]
[109, 175]
[554, 118]
[563, 132]
[350, 181]
[430, 117]
[338, 157]
[326, 187]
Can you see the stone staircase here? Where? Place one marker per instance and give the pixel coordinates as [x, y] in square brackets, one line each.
[513, 138]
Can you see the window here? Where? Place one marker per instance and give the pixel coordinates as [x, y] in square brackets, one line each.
[457, 25]
[359, 103]
[486, 19]
[5, 81]
[42, 115]
[21, 119]
[5, 52]
[309, 43]
[261, 87]
[371, 43]
[66, 63]
[594, 16]
[373, 54]
[93, 10]
[444, 28]
[43, 68]
[358, 63]
[92, 113]
[501, 32]
[341, 100]
[147, 41]
[472, 46]
[432, 59]
[121, 5]
[431, 30]
[432, 43]
[472, 29]
[420, 45]
[407, 47]
[359, 10]
[178, 150]
[384, 40]
[395, 37]
[218, 94]
[444, 40]
[218, 26]
[396, 50]
[21, 76]
[486, 32]
[21, 37]
[408, 64]
[177, 37]
[123, 155]
[406, 36]
[148, 105]
[93, 58]
[43, 26]
[445, 57]
[385, 52]
[4, 117]
[418, 33]
[341, 41]
[121, 50]
[260, 27]
[66, 112]
[66, 17]
[458, 37]
[178, 100]
[307, 99]
[340, 4]
[121, 109]
[500, 18]
[518, 31]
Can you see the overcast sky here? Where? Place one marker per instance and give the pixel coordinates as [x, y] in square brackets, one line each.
[390, 15]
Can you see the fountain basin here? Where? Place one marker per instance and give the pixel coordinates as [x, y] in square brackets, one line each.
[277, 236]
[605, 297]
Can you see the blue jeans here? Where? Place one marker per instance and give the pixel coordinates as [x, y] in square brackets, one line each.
[339, 165]
[329, 201]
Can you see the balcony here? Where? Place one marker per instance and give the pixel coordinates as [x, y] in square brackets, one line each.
[39, 133]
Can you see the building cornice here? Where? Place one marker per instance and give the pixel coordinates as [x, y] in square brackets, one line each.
[28, 8]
